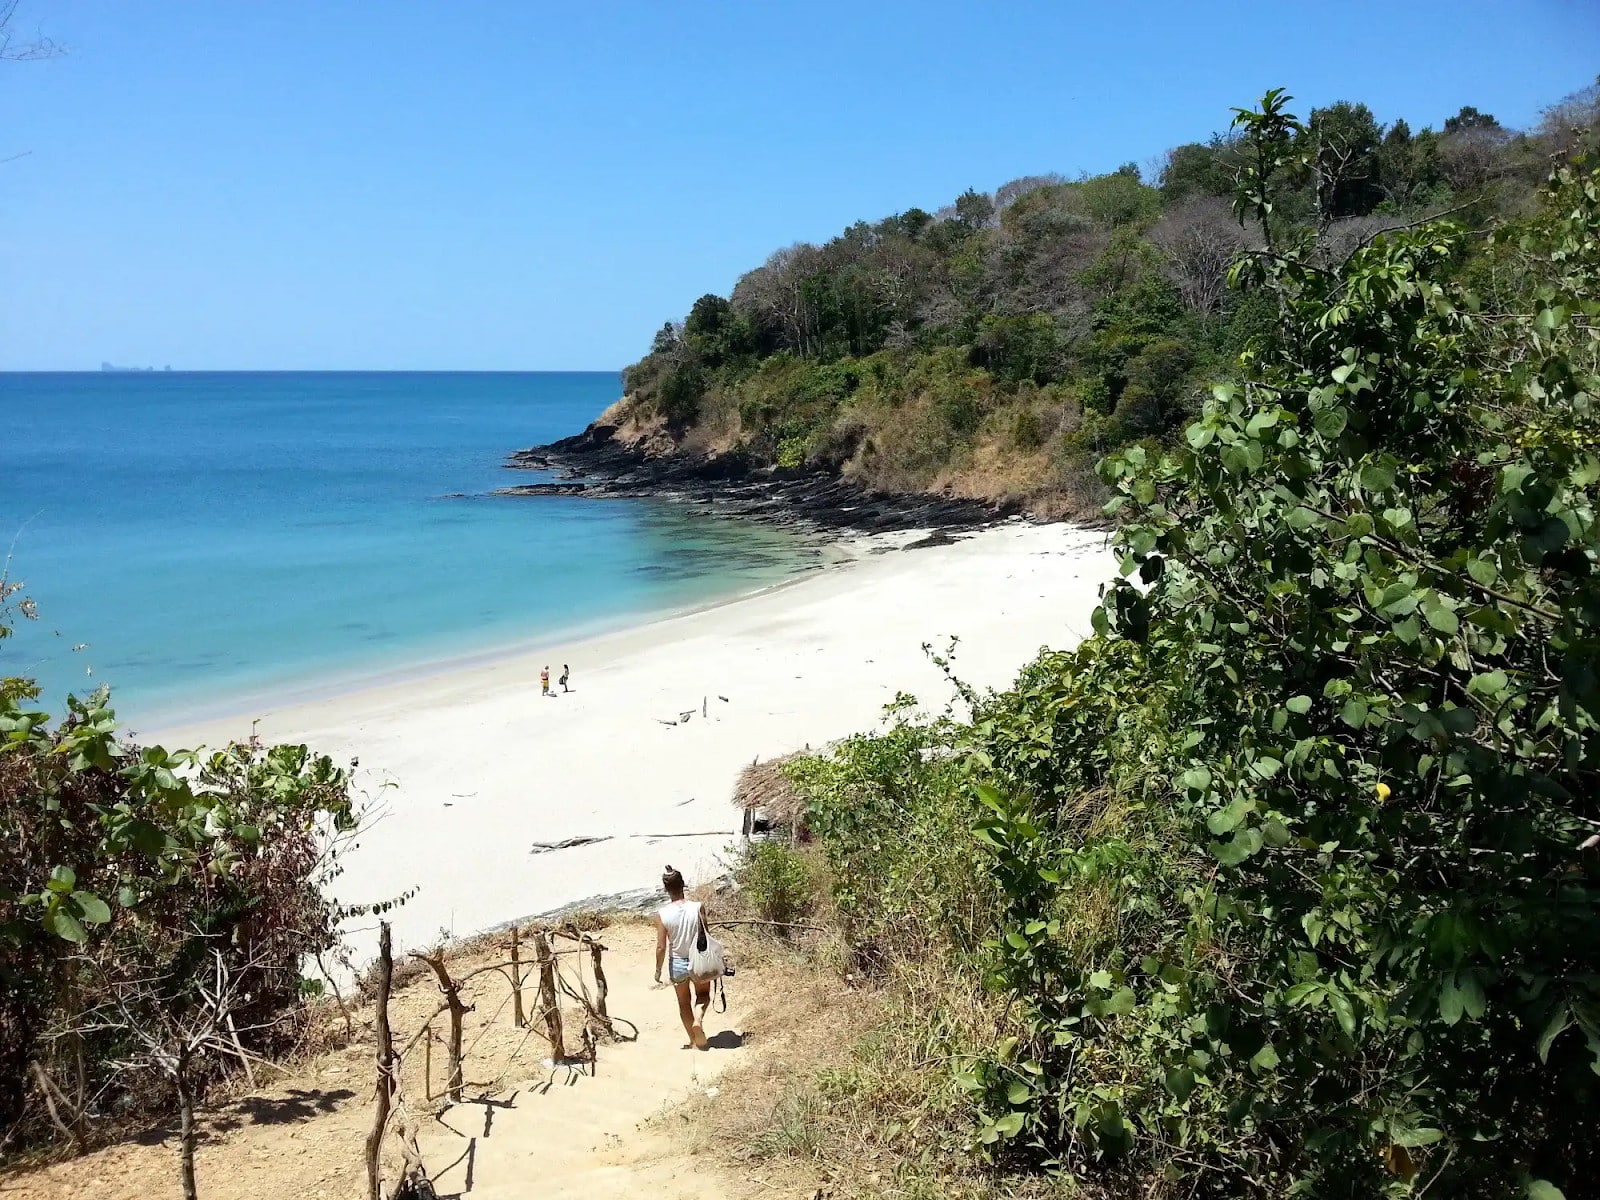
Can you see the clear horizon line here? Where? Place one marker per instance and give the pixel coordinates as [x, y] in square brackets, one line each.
[163, 370]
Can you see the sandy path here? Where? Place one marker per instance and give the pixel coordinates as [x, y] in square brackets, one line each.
[571, 1135]
[482, 767]
[533, 1132]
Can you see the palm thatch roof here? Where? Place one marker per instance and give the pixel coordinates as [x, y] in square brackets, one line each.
[763, 785]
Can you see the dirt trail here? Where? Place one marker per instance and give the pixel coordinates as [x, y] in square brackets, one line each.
[563, 1134]
[525, 1130]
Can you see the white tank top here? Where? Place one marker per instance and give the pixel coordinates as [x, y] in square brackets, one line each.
[682, 919]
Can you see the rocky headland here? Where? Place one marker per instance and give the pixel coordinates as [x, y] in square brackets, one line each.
[599, 464]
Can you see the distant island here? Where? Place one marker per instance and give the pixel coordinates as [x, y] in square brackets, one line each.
[105, 366]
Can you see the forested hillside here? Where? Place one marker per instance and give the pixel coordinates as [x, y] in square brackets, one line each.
[1000, 346]
[1286, 882]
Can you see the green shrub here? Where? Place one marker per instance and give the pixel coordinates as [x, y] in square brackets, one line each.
[791, 452]
[779, 881]
[1027, 429]
[894, 826]
[135, 877]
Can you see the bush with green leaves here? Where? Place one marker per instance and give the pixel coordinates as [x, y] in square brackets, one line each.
[1297, 881]
[892, 826]
[779, 882]
[134, 878]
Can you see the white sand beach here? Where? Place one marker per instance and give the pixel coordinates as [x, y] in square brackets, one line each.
[471, 767]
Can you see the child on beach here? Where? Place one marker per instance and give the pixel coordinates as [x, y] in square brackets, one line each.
[544, 681]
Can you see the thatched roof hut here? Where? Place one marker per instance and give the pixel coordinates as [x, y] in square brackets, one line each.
[766, 795]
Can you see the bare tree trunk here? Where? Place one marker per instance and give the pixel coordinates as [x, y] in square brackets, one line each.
[186, 1129]
[385, 1055]
[517, 1015]
[452, 997]
[547, 995]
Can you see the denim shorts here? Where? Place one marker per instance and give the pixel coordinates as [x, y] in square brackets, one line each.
[678, 970]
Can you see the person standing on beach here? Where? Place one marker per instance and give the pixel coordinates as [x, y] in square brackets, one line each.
[565, 672]
[678, 926]
[544, 681]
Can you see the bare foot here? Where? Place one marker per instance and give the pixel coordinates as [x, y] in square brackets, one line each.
[698, 1035]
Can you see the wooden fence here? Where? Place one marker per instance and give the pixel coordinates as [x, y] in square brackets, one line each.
[552, 946]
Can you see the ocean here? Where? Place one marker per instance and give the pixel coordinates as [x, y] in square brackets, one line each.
[203, 541]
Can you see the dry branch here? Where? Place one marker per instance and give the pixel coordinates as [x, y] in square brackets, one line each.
[452, 999]
[550, 1006]
[51, 1093]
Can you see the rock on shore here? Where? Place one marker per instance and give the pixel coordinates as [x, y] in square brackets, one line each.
[599, 465]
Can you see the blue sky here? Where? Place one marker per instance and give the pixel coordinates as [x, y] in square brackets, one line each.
[531, 185]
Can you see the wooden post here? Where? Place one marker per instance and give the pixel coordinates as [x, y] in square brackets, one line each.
[452, 997]
[516, 980]
[595, 950]
[385, 1061]
[547, 995]
[427, 1065]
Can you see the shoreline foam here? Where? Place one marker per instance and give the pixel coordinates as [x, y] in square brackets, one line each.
[469, 767]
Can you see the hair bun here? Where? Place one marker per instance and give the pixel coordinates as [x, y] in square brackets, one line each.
[669, 868]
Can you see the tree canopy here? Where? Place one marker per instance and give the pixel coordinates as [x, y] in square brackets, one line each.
[1038, 304]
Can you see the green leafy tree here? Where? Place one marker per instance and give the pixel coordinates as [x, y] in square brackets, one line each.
[974, 211]
[715, 332]
[1118, 199]
[1200, 169]
[1408, 166]
[1342, 145]
[1470, 118]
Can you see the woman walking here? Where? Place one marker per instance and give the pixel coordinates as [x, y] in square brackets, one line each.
[678, 926]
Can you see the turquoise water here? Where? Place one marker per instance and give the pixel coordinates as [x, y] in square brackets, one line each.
[215, 538]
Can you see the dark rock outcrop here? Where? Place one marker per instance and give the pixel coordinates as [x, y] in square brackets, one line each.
[598, 465]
